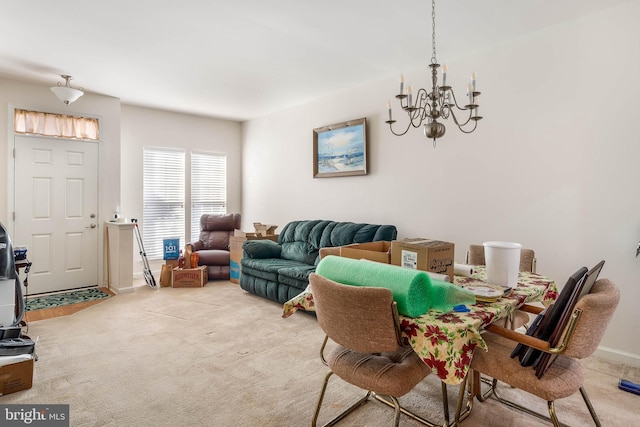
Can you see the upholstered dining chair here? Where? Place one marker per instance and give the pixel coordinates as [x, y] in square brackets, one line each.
[475, 256]
[363, 323]
[566, 374]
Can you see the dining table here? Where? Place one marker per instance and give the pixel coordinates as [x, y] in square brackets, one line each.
[445, 341]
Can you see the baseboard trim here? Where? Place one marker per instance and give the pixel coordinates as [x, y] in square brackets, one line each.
[618, 356]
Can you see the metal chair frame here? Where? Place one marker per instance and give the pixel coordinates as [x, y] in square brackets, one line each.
[393, 402]
[543, 346]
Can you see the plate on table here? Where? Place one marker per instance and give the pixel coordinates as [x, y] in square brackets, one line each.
[485, 292]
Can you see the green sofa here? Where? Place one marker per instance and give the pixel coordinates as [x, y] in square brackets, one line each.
[280, 270]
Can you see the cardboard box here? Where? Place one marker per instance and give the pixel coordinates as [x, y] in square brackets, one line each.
[373, 251]
[235, 248]
[16, 377]
[264, 229]
[189, 277]
[424, 254]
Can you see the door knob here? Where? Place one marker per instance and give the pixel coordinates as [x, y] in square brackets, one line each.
[92, 226]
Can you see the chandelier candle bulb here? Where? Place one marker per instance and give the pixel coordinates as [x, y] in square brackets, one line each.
[409, 95]
[470, 92]
[389, 108]
[444, 75]
[473, 80]
[401, 84]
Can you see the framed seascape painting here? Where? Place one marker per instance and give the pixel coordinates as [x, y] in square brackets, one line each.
[340, 149]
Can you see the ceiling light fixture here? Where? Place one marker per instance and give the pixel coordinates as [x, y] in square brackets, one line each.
[66, 93]
[438, 102]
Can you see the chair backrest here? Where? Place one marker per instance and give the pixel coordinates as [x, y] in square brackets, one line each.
[360, 318]
[215, 230]
[475, 256]
[597, 308]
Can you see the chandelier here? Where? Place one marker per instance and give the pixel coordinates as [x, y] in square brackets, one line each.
[427, 106]
[66, 93]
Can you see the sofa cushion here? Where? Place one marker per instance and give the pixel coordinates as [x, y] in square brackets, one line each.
[261, 249]
[215, 240]
[298, 276]
[268, 268]
[300, 251]
[213, 257]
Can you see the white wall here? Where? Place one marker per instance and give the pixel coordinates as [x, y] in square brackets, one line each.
[145, 127]
[124, 131]
[14, 94]
[552, 165]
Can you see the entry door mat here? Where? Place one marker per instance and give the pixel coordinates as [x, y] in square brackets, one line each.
[66, 298]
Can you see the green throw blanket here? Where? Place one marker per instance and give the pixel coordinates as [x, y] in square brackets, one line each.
[413, 290]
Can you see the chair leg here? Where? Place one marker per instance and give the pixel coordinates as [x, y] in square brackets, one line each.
[553, 419]
[552, 413]
[340, 415]
[484, 396]
[460, 414]
[405, 411]
[321, 398]
[592, 411]
[396, 412]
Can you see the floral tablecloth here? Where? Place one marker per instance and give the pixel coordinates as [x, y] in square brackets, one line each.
[446, 341]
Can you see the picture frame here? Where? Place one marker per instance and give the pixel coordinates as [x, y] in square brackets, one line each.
[340, 149]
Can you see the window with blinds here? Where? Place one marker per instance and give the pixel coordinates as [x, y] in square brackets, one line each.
[163, 200]
[208, 187]
[166, 175]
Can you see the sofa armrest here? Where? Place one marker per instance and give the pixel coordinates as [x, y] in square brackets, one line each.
[195, 246]
[261, 249]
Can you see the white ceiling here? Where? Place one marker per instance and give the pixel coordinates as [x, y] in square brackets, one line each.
[241, 59]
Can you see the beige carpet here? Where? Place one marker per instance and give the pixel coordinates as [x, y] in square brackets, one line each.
[218, 356]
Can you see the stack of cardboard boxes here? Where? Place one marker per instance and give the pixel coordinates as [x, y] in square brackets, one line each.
[422, 254]
[176, 277]
[262, 231]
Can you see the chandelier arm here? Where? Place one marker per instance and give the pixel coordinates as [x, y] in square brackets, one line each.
[461, 125]
[475, 123]
[401, 133]
[455, 119]
[418, 111]
[455, 101]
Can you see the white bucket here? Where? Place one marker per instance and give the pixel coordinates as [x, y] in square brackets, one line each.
[503, 263]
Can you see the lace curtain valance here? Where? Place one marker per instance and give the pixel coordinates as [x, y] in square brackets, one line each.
[60, 125]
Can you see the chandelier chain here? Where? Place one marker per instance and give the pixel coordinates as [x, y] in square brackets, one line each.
[433, 32]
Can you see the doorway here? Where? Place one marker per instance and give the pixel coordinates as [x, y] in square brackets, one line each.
[56, 211]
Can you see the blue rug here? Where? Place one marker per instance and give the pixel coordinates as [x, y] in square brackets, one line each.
[67, 298]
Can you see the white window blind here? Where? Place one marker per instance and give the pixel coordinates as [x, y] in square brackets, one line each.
[163, 199]
[208, 187]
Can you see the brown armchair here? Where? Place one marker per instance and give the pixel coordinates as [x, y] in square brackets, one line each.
[212, 245]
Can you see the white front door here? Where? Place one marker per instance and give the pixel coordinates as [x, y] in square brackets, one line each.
[56, 205]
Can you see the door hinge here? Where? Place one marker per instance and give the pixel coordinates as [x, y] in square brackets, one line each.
[14, 153]
[14, 216]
